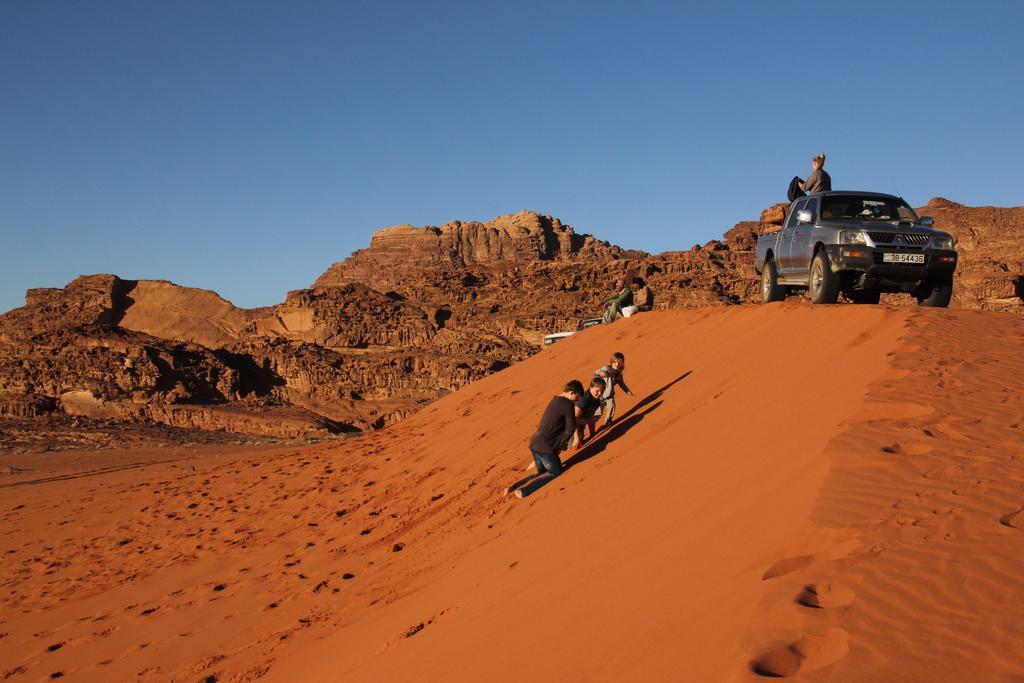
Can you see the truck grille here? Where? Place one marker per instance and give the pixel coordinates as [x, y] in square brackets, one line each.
[908, 239]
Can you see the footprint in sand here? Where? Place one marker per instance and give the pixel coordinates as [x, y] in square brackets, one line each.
[806, 654]
[908, 449]
[971, 488]
[1014, 519]
[936, 517]
[826, 595]
[945, 472]
[915, 501]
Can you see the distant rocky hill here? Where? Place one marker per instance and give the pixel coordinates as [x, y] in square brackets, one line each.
[990, 240]
[524, 237]
[421, 312]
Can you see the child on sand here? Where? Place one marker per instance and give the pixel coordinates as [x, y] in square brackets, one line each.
[557, 426]
[612, 375]
[586, 407]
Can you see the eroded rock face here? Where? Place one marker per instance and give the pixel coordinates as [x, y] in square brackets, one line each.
[105, 372]
[525, 237]
[88, 300]
[990, 241]
[155, 307]
[421, 312]
[164, 309]
[352, 316]
[112, 364]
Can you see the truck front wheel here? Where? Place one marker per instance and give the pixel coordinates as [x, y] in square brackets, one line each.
[865, 297]
[935, 294]
[824, 284]
[771, 290]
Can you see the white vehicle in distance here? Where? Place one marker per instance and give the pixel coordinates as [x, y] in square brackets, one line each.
[559, 336]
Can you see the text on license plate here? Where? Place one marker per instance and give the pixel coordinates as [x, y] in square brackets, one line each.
[903, 258]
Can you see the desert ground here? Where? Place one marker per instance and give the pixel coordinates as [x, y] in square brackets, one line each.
[827, 493]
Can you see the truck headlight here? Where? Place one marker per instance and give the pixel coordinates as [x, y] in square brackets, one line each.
[852, 237]
[943, 242]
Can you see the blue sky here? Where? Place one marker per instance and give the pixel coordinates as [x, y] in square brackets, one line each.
[245, 146]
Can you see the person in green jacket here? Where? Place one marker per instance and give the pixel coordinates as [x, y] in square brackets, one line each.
[614, 304]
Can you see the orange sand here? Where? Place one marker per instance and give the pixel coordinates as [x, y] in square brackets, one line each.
[857, 517]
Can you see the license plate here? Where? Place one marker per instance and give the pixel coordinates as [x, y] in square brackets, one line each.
[903, 258]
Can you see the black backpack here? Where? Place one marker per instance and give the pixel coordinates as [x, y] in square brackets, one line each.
[794, 189]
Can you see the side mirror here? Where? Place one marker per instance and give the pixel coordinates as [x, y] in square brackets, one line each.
[803, 217]
[927, 221]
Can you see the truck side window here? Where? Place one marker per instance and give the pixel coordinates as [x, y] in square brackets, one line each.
[791, 221]
[812, 206]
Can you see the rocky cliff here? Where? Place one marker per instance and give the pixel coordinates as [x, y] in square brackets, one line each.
[525, 237]
[990, 240]
[421, 312]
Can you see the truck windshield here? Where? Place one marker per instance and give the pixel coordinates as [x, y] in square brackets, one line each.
[865, 208]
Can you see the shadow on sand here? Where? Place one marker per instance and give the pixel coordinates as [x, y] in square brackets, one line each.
[630, 419]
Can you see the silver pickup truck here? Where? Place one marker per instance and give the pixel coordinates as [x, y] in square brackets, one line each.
[859, 243]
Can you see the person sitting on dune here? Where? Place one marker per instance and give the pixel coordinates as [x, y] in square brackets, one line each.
[614, 304]
[612, 375]
[557, 427]
[643, 298]
[586, 407]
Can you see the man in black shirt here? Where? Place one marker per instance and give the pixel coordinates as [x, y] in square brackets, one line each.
[557, 426]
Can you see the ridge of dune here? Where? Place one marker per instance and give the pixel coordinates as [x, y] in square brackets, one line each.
[738, 521]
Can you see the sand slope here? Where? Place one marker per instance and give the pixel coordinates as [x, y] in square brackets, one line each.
[833, 493]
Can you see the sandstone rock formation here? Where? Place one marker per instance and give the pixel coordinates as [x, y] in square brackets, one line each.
[524, 237]
[109, 372]
[990, 241]
[421, 312]
[773, 217]
[169, 311]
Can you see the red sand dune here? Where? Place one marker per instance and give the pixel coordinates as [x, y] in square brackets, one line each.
[832, 493]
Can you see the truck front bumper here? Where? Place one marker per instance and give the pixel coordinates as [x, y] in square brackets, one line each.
[869, 270]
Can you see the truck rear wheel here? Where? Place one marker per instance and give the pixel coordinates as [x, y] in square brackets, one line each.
[935, 295]
[824, 284]
[771, 290]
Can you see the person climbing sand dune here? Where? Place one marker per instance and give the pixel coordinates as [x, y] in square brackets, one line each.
[612, 376]
[586, 409]
[557, 427]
